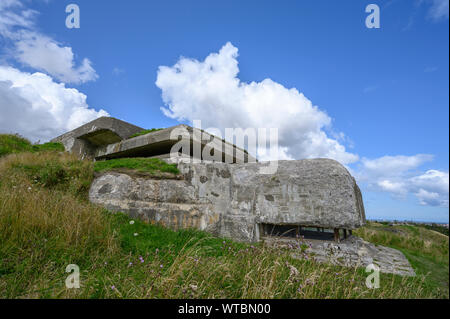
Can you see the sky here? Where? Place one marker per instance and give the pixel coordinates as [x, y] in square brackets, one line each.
[375, 99]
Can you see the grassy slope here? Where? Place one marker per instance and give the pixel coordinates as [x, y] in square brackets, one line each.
[426, 250]
[47, 223]
[15, 144]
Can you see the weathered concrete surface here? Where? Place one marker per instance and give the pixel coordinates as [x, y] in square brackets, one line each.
[196, 144]
[107, 137]
[84, 140]
[232, 200]
[351, 252]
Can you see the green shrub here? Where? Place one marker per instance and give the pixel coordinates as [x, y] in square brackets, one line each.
[13, 144]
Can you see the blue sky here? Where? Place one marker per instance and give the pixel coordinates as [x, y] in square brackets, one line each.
[384, 91]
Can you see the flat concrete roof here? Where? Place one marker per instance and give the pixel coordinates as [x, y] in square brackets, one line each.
[161, 142]
[108, 137]
[102, 131]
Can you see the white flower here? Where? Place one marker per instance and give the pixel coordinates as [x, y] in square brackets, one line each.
[135, 234]
[131, 222]
[193, 287]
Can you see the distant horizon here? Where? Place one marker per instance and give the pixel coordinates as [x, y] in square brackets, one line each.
[407, 220]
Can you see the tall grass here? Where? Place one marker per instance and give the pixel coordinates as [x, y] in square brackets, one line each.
[426, 250]
[46, 226]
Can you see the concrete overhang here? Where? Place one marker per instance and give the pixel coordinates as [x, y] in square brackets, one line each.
[161, 143]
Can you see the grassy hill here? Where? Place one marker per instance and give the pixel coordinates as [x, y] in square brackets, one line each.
[47, 223]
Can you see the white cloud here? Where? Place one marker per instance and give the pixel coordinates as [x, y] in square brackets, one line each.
[38, 108]
[42, 53]
[37, 50]
[399, 176]
[392, 187]
[439, 10]
[210, 91]
[391, 165]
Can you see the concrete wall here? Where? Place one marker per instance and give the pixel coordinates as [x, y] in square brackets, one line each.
[84, 140]
[232, 200]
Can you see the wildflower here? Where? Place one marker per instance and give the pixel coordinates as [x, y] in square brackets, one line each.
[135, 234]
[113, 287]
[131, 222]
[106, 262]
[141, 259]
[130, 264]
[293, 271]
[193, 287]
[223, 242]
[161, 266]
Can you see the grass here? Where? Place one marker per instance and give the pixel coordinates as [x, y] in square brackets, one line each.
[426, 250]
[151, 166]
[10, 144]
[47, 223]
[143, 132]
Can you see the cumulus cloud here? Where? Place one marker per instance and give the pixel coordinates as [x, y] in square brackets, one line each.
[211, 91]
[38, 51]
[36, 107]
[399, 176]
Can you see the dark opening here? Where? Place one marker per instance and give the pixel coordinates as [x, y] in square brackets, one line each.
[297, 231]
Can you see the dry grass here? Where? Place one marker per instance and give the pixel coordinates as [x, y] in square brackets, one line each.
[46, 223]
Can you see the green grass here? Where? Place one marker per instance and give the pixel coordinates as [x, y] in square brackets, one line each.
[46, 225]
[143, 132]
[10, 144]
[152, 166]
[426, 250]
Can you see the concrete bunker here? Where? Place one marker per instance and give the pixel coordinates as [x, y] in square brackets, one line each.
[108, 138]
[229, 197]
[303, 232]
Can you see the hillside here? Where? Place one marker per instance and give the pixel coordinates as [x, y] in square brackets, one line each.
[47, 223]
